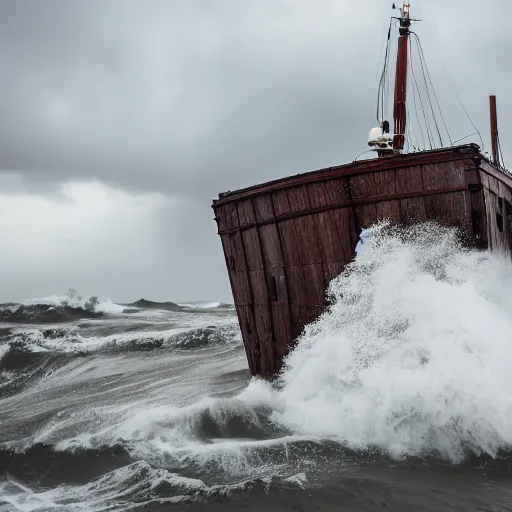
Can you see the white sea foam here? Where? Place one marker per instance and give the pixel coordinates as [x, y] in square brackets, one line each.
[132, 487]
[74, 300]
[413, 357]
[415, 353]
[71, 340]
[200, 305]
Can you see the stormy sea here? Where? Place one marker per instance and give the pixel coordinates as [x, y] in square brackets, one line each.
[399, 397]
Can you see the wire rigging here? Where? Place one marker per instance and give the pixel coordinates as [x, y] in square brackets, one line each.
[382, 83]
[427, 128]
[430, 130]
[424, 63]
[464, 108]
[429, 99]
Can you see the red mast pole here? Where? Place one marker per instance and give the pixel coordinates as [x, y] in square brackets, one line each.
[494, 130]
[399, 110]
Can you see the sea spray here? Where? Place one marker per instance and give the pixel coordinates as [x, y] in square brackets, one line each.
[414, 355]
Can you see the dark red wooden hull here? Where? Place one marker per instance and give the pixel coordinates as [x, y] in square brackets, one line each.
[285, 240]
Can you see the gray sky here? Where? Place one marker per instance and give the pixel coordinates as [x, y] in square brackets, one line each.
[121, 120]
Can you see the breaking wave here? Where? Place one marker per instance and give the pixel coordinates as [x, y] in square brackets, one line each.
[72, 307]
[57, 309]
[414, 354]
[411, 361]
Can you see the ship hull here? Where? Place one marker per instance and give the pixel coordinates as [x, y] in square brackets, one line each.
[284, 240]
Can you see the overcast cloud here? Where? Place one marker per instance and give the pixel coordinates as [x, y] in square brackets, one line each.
[121, 120]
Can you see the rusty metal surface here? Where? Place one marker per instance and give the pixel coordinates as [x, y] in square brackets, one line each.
[284, 242]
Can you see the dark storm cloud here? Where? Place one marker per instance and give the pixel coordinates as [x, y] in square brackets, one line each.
[196, 95]
[193, 97]
[175, 93]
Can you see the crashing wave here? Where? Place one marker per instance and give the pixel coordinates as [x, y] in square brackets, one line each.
[57, 309]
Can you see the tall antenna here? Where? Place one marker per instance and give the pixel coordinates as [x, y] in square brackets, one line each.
[400, 106]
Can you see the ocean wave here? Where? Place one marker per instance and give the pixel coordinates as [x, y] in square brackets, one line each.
[71, 340]
[207, 305]
[76, 301]
[411, 359]
[413, 355]
[44, 313]
[57, 309]
[136, 486]
[28, 354]
[72, 307]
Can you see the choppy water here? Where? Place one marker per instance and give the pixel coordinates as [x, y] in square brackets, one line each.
[398, 398]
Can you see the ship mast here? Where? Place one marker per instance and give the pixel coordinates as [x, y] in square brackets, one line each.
[400, 105]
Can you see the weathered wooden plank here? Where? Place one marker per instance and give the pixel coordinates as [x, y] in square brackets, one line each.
[337, 190]
[298, 198]
[291, 243]
[278, 277]
[263, 208]
[332, 269]
[448, 209]
[472, 177]
[346, 232]
[283, 330]
[242, 288]
[484, 177]
[314, 285]
[230, 259]
[409, 179]
[220, 217]
[445, 175]
[251, 343]
[508, 224]
[252, 251]
[310, 313]
[385, 183]
[390, 210]
[267, 357]
[237, 250]
[499, 223]
[478, 217]
[297, 289]
[231, 216]
[412, 210]
[404, 161]
[331, 243]
[490, 215]
[309, 243]
[281, 202]
[259, 287]
[488, 169]
[263, 323]
[317, 194]
[505, 192]
[494, 186]
[245, 213]
[362, 186]
[271, 246]
[367, 215]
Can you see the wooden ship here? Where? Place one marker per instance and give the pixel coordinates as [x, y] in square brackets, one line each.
[284, 240]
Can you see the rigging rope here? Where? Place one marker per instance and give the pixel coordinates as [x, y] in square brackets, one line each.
[382, 83]
[422, 58]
